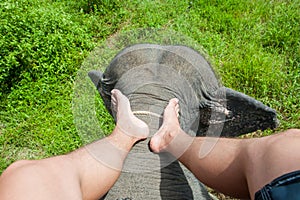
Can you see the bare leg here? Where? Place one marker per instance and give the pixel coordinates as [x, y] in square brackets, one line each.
[87, 173]
[236, 167]
[272, 157]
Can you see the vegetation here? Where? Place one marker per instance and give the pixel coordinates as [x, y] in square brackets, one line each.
[254, 46]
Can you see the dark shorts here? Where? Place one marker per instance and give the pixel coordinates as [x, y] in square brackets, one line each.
[285, 187]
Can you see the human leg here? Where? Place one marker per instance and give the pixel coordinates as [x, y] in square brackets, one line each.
[272, 157]
[220, 169]
[237, 167]
[87, 173]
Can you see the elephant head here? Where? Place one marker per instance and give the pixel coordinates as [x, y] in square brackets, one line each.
[150, 75]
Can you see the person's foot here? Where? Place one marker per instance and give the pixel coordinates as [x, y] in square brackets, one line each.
[126, 121]
[169, 129]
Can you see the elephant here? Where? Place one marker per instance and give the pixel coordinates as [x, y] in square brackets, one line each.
[150, 75]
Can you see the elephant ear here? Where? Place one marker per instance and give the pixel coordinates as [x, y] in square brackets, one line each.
[235, 115]
[97, 78]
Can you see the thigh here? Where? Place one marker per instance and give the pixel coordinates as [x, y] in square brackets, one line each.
[284, 187]
[271, 157]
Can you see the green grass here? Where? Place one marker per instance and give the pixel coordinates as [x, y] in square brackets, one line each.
[254, 46]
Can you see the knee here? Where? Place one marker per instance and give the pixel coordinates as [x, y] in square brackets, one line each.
[285, 135]
[20, 163]
[17, 165]
[293, 131]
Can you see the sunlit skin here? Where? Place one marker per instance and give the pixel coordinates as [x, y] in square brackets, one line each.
[87, 173]
[236, 167]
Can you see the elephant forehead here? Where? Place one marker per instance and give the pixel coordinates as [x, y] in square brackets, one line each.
[149, 88]
[186, 61]
[154, 74]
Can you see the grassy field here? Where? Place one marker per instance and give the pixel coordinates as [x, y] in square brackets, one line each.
[253, 44]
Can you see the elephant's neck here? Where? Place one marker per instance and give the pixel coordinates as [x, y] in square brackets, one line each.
[152, 119]
[149, 101]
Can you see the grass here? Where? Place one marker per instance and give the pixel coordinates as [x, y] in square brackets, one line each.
[254, 46]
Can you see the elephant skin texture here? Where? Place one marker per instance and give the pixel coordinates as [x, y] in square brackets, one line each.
[150, 75]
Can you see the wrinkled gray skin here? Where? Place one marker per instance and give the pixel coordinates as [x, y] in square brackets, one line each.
[149, 75]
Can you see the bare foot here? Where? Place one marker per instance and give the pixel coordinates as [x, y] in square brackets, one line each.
[169, 129]
[126, 121]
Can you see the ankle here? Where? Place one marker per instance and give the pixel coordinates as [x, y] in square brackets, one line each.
[179, 142]
[122, 139]
[171, 132]
[169, 138]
